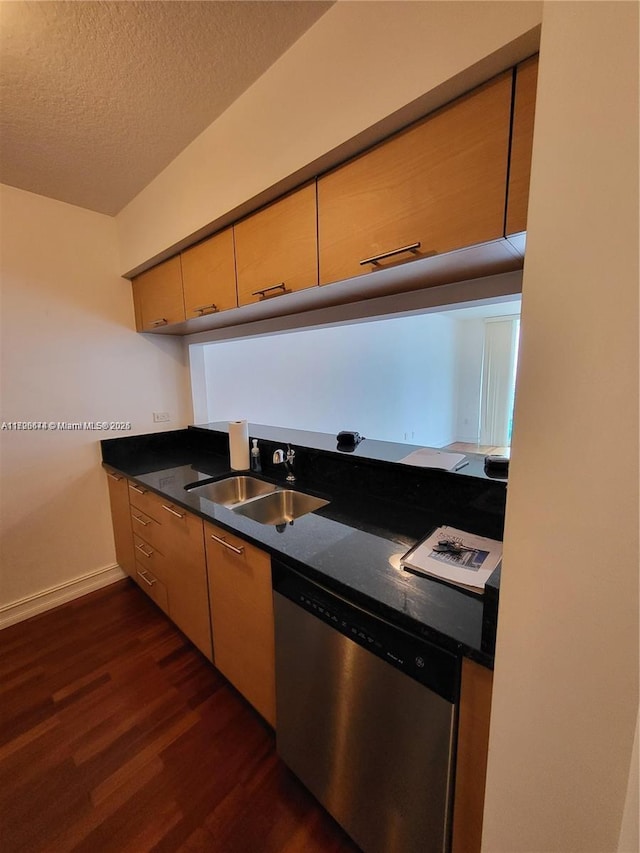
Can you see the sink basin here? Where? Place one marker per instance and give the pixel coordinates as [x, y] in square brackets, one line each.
[233, 490]
[280, 507]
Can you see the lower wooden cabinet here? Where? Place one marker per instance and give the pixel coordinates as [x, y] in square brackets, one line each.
[121, 520]
[242, 617]
[471, 763]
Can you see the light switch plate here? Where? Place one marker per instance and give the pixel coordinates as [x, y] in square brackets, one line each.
[161, 417]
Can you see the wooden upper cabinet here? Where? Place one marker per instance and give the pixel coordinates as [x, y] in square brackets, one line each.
[157, 296]
[522, 145]
[277, 249]
[440, 184]
[209, 276]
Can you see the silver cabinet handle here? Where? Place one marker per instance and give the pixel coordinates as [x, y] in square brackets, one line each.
[142, 551]
[173, 511]
[140, 520]
[376, 258]
[227, 544]
[162, 321]
[206, 309]
[138, 489]
[116, 477]
[143, 575]
[265, 293]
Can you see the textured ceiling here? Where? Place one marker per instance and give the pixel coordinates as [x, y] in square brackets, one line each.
[96, 98]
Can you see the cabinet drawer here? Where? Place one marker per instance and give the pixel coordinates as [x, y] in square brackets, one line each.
[149, 557]
[174, 530]
[277, 248]
[143, 525]
[440, 185]
[153, 587]
[142, 499]
[242, 617]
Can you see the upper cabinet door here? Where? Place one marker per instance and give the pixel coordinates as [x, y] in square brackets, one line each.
[437, 186]
[209, 276]
[157, 296]
[522, 145]
[277, 248]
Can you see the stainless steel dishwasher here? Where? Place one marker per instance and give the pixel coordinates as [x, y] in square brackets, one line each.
[367, 717]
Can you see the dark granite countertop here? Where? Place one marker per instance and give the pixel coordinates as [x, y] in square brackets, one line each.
[352, 547]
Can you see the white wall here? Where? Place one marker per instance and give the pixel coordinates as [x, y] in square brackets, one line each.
[68, 354]
[390, 379]
[566, 680]
[358, 64]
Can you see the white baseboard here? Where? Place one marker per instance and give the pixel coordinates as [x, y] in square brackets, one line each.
[30, 606]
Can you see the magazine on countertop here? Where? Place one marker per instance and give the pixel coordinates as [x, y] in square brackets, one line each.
[455, 556]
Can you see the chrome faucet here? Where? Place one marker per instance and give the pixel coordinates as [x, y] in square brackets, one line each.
[279, 457]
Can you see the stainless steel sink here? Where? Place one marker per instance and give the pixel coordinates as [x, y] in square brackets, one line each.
[233, 490]
[280, 507]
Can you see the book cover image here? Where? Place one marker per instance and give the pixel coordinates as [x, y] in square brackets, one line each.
[472, 560]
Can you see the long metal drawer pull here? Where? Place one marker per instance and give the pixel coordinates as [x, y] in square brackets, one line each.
[140, 520]
[144, 577]
[142, 551]
[228, 545]
[381, 257]
[138, 489]
[115, 477]
[173, 511]
[265, 293]
[162, 321]
[206, 309]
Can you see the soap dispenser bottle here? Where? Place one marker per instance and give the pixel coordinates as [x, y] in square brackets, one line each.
[255, 457]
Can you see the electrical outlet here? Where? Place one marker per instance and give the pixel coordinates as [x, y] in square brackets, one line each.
[161, 417]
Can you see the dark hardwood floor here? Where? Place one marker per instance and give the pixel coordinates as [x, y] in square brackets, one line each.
[117, 735]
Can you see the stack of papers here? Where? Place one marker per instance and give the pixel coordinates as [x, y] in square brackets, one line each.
[429, 458]
[469, 569]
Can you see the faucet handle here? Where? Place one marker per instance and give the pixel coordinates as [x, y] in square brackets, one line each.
[291, 454]
[278, 456]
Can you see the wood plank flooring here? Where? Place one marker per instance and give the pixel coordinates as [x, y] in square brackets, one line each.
[117, 735]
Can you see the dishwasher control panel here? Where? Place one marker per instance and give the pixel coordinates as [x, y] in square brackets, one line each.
[427, 663]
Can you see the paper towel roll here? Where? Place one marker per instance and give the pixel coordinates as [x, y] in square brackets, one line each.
[239, 445]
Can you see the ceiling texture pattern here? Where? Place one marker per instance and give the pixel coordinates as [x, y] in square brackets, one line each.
[96, 98]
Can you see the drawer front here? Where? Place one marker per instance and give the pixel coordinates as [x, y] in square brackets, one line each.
[176, 531]
[185, 589]
[149, 557]
[141, 498]
[144, 526]
[152, 586]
